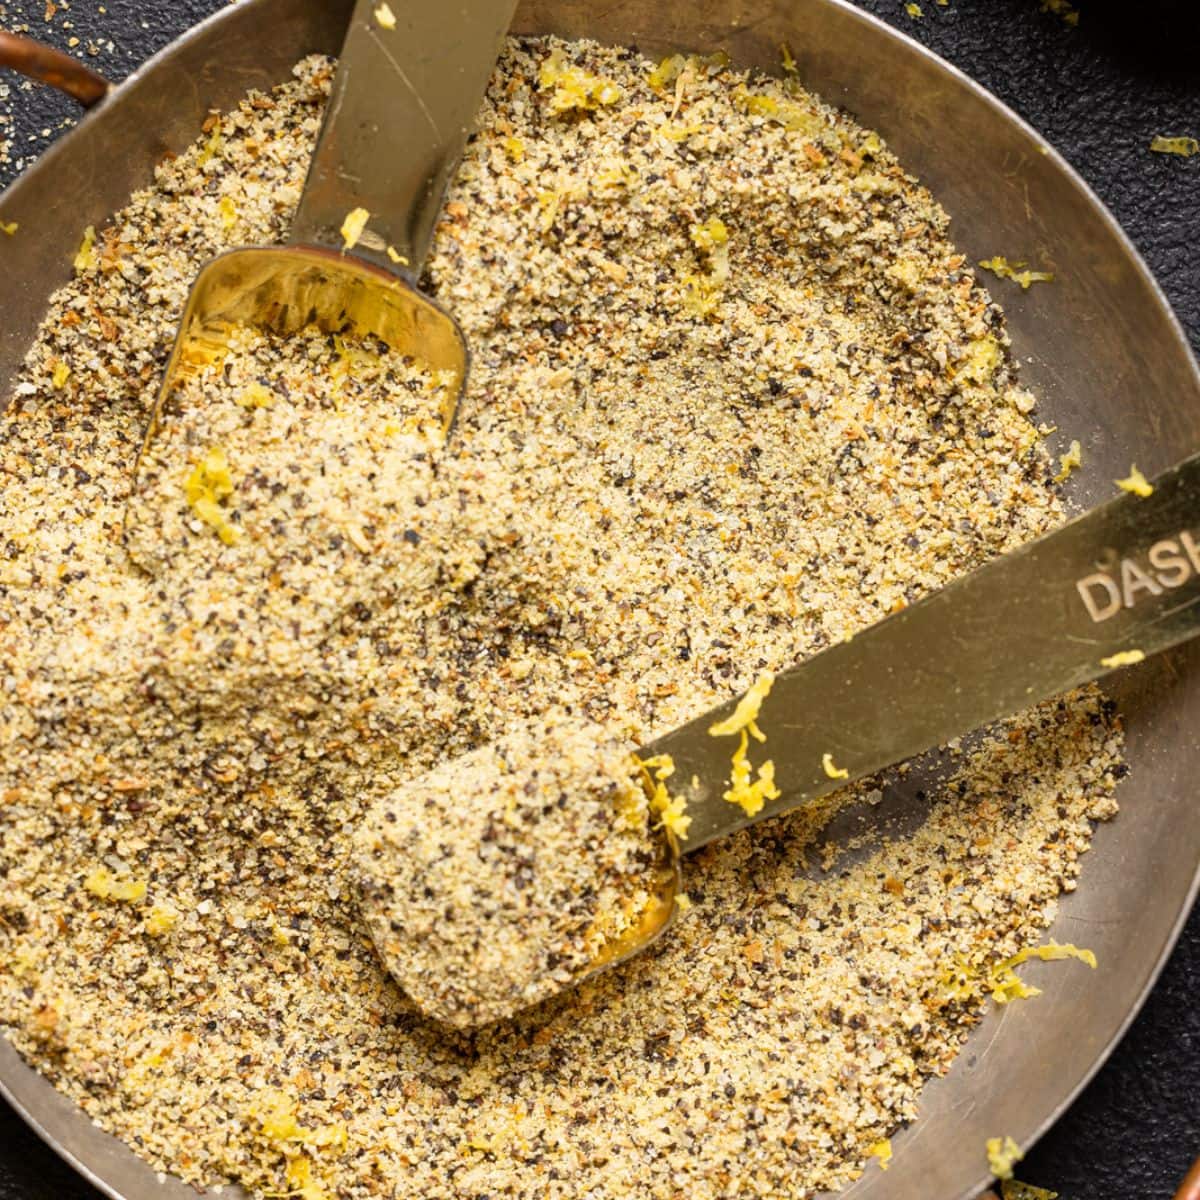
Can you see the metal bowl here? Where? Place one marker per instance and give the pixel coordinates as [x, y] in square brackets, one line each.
[1100, 347]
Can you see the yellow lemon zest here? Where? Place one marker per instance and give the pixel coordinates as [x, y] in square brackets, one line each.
[871, 146]
[700, 295]
[749, 793]
[982, 358]
[209, 483]
[550, 203]
[161, 920]
[679, 133]
[709, 235]
[1002, 1155]
[791, 114]
[671, 810]
[745, 715]
[882, 1151]
[1005, 270]
[615, 179]
[960, 981]
[1185, 147]
[353, 226]
[301, 1182]
[673, 816]
[673, 66]
[573, 88]
[61, 374]
[9, 227]
[1136, 483]
[276, 1115]
[104, 885]
[701, 292]
[832, 771]
[966, 981]
[667, 71]
[86, 257]
[212, 147]
[750, 796]
[256, 395]
[744, 791]
[1003, 983]
[1069, 462]
[1123, 658]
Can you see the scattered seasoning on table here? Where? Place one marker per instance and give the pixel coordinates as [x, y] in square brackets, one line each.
[682, 461]
[1184, 147]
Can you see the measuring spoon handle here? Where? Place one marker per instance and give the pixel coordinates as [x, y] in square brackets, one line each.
[409, 84]
[1119, 583]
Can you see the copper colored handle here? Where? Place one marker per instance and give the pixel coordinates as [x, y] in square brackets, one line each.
[54, 67]
[1190, 1188]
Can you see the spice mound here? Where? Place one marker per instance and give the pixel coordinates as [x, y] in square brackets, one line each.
[494, 880]
[282, 486]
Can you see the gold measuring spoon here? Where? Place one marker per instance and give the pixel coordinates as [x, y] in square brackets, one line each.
[1104, 591]
[408, 86]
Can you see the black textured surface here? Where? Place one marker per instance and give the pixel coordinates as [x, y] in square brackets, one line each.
[1097, 92]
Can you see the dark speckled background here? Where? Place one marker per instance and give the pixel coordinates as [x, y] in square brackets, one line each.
[1098, 92]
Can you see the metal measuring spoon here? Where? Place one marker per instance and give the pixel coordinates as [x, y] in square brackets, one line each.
[408, 86]
[1104, 591]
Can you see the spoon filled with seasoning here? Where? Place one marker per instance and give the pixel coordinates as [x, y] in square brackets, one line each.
[403, 103]
[494, 881]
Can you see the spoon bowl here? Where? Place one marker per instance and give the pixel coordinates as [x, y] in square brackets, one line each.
[402, 105]
[284, 290]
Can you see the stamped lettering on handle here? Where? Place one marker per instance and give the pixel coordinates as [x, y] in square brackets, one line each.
[1167, 564]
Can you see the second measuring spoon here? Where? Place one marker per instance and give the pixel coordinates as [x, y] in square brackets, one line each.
[404, 101]
[1104, 591]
